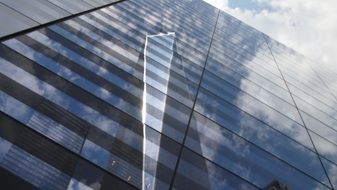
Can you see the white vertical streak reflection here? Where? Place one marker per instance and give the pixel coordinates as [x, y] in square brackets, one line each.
[145, 178]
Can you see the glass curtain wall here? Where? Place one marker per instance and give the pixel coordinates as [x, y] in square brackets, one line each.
[162, 94]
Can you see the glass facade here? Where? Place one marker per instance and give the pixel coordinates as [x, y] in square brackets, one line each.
[166, 94]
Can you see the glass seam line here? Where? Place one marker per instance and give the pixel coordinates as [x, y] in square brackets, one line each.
[189, 121]
[326, 173]
[193, 106]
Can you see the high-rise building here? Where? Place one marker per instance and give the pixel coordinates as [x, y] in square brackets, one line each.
[157, 94]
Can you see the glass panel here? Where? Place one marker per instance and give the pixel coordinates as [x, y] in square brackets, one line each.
[95, 3]
[332, 171]
[229, 115]
[250, 81]
[249, 102]
[14, 21]
[198, 173]
[84, 62]
[74, 6]
[325, 148]
[214, 142]
[39, 10]
[96, 50]
[79, 109]
[116, 165]
[74, 78]
[34, 170]
[40, 122]
[5, 146]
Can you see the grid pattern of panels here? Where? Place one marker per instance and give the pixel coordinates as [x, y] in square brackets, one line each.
[162, 94]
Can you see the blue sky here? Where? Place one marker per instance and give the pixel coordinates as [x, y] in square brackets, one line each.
[252, 5]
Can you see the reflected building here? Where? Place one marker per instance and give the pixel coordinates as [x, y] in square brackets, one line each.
[166, 94]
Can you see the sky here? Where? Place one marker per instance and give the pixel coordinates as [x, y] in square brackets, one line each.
[308, 26]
